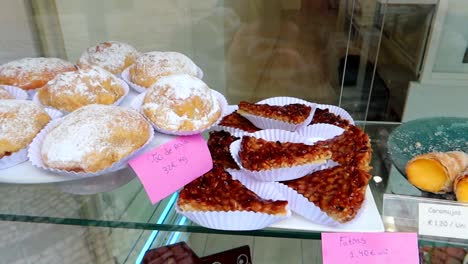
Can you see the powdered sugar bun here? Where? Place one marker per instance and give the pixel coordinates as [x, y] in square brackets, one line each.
[20, 121]
[72, 90]
[151, 66]
[112, 56]
[32, 73]
[91, 139]
[21, 155]
[181, 103]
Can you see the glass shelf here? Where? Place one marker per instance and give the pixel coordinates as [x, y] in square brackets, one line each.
[129, 207]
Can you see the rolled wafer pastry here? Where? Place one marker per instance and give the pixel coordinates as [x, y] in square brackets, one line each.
[460, 186]
[435, 172]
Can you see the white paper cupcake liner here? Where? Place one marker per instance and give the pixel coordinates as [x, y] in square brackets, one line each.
[241, 220]
[35, 98]
[32, 92]
[16, 92]
[125, 75]
[268, 123]
[137, 102]
[280, 174]
[233, 220]
[54, 114]
[266, 190]
[22, 155]
[232, 130]
[14, 159]
[302, 206]
[337, 111]
[34, 155]
[199, 73]
[324, 131]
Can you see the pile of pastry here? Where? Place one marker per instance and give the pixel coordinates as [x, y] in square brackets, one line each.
[440, 172]
[70, 119]
[276, 156]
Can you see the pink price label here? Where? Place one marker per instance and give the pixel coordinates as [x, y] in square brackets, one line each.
[367, 248]
[167, 168]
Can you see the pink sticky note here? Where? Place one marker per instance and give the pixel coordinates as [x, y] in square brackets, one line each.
[168, 167]
[367, 248]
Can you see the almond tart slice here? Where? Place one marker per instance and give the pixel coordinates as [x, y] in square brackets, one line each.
[258, 154]
[339, 191]
[217, 191]
[291, 113]
[235, 120]
[327, 117]
[352, 148]
[218, 144]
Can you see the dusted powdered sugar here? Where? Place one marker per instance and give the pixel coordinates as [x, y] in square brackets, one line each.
[110, 55]
[34, 65]
[184, 86]
[83, 82]
[87, 132]
[157, 62]
[17, 120]
[169, 93]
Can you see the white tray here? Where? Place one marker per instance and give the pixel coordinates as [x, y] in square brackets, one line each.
[367, 220]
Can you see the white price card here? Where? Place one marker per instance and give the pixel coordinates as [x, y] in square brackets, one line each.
[443, 220]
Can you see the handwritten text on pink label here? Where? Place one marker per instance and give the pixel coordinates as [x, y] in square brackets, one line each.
[168, 167]
[366, 248]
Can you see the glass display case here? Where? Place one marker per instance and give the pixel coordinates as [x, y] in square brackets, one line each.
[386, 62]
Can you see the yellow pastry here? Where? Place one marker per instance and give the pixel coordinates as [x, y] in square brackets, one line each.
[435, 172]
[181, 103]
[72, 90]
[112, 56]
[32, 73]
[20, 121]
[460, 186]
[151, 66]
[94, 137]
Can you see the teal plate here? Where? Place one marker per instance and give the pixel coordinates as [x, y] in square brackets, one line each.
[427, 135]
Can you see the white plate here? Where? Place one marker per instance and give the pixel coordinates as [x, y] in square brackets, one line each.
[25, 173]
[367, 220]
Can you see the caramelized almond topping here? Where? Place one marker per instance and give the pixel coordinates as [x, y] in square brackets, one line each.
[351, 148]
[337, 191]
[236, 120]
[258, 154]
[218, 144]
[324, 116]
[217, 191]
[292, 113]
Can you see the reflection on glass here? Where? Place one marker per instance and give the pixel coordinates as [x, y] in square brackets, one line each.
[282, 51]
[453, 47]
[318, 50]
